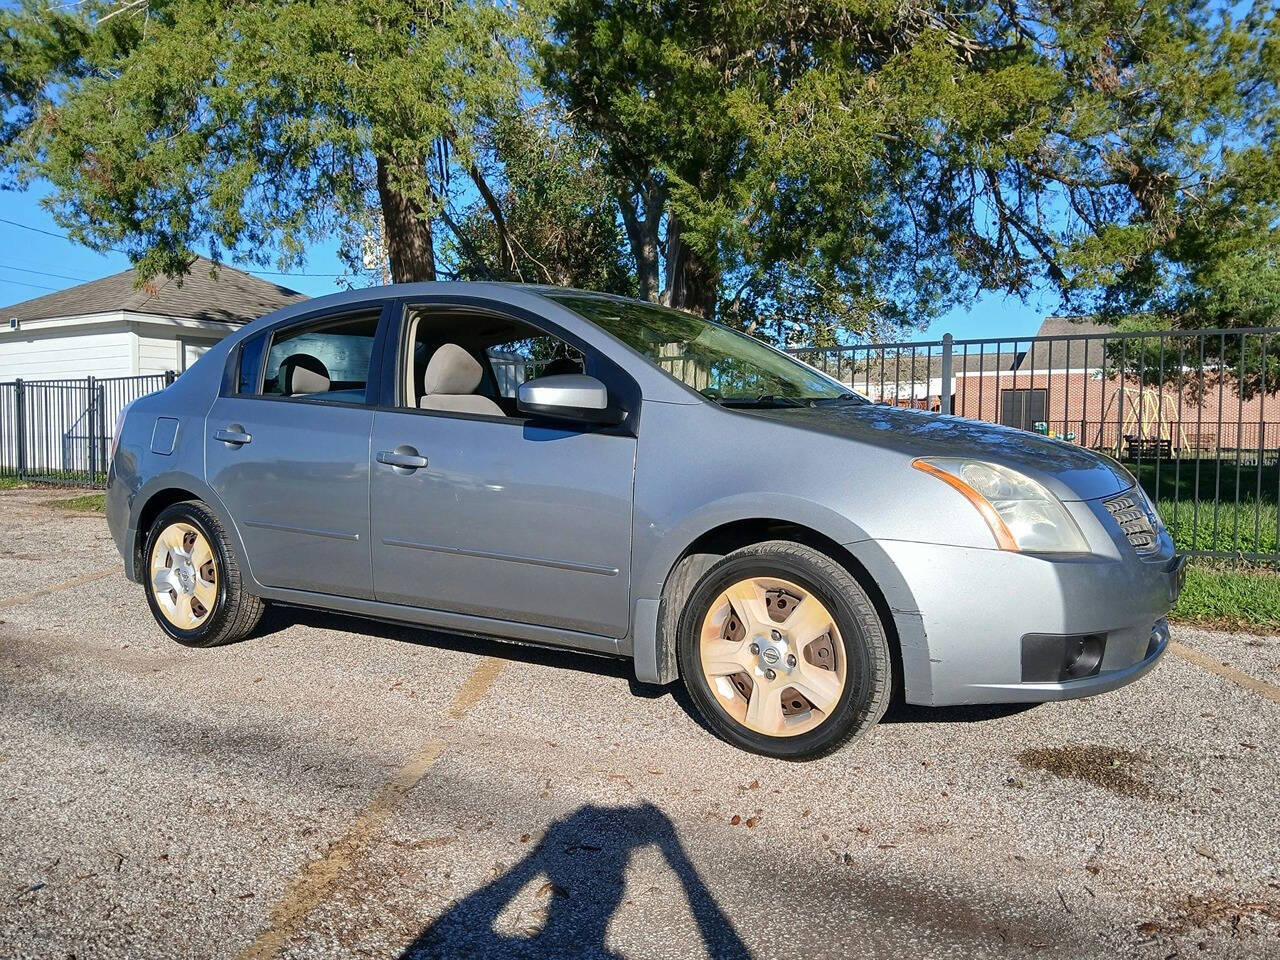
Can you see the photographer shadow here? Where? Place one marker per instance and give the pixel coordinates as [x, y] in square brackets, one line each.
[584, 858]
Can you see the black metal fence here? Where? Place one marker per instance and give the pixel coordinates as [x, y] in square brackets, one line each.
[1194, 414]
[59, 431]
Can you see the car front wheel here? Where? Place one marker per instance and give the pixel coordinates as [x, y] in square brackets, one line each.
[783, 652]
[193, 580]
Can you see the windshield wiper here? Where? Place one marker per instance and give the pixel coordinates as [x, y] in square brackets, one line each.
[761, 400]
[844, 398]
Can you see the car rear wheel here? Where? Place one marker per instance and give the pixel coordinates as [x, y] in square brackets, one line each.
[193, 580]
[783, 652]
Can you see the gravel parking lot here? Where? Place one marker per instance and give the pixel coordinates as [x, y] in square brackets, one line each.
[332, 787]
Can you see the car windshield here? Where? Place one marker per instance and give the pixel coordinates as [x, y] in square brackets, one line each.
[720, 363]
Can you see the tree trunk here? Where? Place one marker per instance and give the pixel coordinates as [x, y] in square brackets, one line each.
[701, 285]
[692, 284]
[642, 234]
[407, 231]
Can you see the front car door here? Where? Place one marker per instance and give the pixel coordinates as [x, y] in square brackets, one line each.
[287, 451]
[505, 517]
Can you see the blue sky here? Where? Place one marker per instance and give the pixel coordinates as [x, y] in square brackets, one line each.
[34, 263]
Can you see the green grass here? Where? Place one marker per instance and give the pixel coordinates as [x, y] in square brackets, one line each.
[12, 483]
[1206, 477]
[1186, 492]
[87, 503]
[1231, 599]
[1247, 527]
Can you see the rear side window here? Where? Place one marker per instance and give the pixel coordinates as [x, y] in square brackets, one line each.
[327, 360]
[250, 364]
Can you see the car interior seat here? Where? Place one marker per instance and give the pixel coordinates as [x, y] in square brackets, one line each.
[301, 374]
[451, 380]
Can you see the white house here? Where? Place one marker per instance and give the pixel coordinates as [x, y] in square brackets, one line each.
[112, 328]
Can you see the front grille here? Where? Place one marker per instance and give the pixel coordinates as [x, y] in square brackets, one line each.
[1130, 511]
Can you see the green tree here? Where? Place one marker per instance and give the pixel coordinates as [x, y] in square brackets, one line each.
[557, 219]
[801, 169]
[254, 128]
[852, 162]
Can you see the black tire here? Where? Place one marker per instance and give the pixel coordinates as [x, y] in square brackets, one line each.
[235, 611]
[868, 684]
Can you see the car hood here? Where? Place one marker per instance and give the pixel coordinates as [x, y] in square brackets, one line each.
[1069, 471]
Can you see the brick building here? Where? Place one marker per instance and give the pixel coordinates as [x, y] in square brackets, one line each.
[1071, 387]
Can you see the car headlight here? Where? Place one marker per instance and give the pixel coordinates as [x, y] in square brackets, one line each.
[1022, 514]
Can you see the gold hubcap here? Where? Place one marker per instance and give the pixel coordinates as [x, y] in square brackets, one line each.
[772, 656]
[184, 576]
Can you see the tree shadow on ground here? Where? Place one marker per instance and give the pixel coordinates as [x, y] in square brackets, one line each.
[583, 860]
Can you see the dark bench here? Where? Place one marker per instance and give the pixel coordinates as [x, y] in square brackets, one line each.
[1151, 447]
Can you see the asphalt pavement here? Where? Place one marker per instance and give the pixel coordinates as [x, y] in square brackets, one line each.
[332, 787]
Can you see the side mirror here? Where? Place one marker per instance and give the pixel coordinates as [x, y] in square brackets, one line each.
[568, 396]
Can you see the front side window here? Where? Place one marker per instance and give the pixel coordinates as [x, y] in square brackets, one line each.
[537, 355]
[722, 364]
[473, 362]
[326, 360]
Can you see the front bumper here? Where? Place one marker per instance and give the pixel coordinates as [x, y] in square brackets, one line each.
[1101, 682]
[963, 613]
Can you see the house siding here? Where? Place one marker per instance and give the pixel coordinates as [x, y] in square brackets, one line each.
[74, 348]
[158, 354]
[51, 355]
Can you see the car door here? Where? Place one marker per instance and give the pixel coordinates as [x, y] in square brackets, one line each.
[287, 451]
[498, 515]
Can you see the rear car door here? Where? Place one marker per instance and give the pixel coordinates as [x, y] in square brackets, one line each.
[287, 451]
[503, 517]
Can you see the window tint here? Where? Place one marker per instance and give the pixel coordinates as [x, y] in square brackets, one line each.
[250, 364]
[327, 360]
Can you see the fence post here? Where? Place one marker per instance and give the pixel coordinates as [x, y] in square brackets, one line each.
[20, 414]
[102, 427]
[93, 423]
[944, 402]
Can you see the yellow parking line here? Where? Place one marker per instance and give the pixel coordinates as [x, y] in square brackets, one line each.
[58, 587]
[1261, 687]
[319, 877]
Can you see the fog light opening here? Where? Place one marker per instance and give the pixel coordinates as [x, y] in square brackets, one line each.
[1082, 657]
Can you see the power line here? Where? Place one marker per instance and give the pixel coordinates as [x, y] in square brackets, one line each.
[47, 233]
[63, 236]
[278, 273]
[43, 273]
[23, 283]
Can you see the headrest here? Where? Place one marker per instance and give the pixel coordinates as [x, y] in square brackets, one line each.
[452, 370]
[303, 373]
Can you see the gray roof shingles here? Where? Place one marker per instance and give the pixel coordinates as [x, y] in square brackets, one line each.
[208, 292]
[1068, 354]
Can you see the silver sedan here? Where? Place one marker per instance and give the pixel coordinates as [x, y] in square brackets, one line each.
[566, 468]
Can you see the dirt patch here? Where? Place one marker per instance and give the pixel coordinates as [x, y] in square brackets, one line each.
[1119, 771]
[1212, 912]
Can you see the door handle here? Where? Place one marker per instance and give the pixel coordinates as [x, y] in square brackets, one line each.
[403, 457]
[233, 435]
